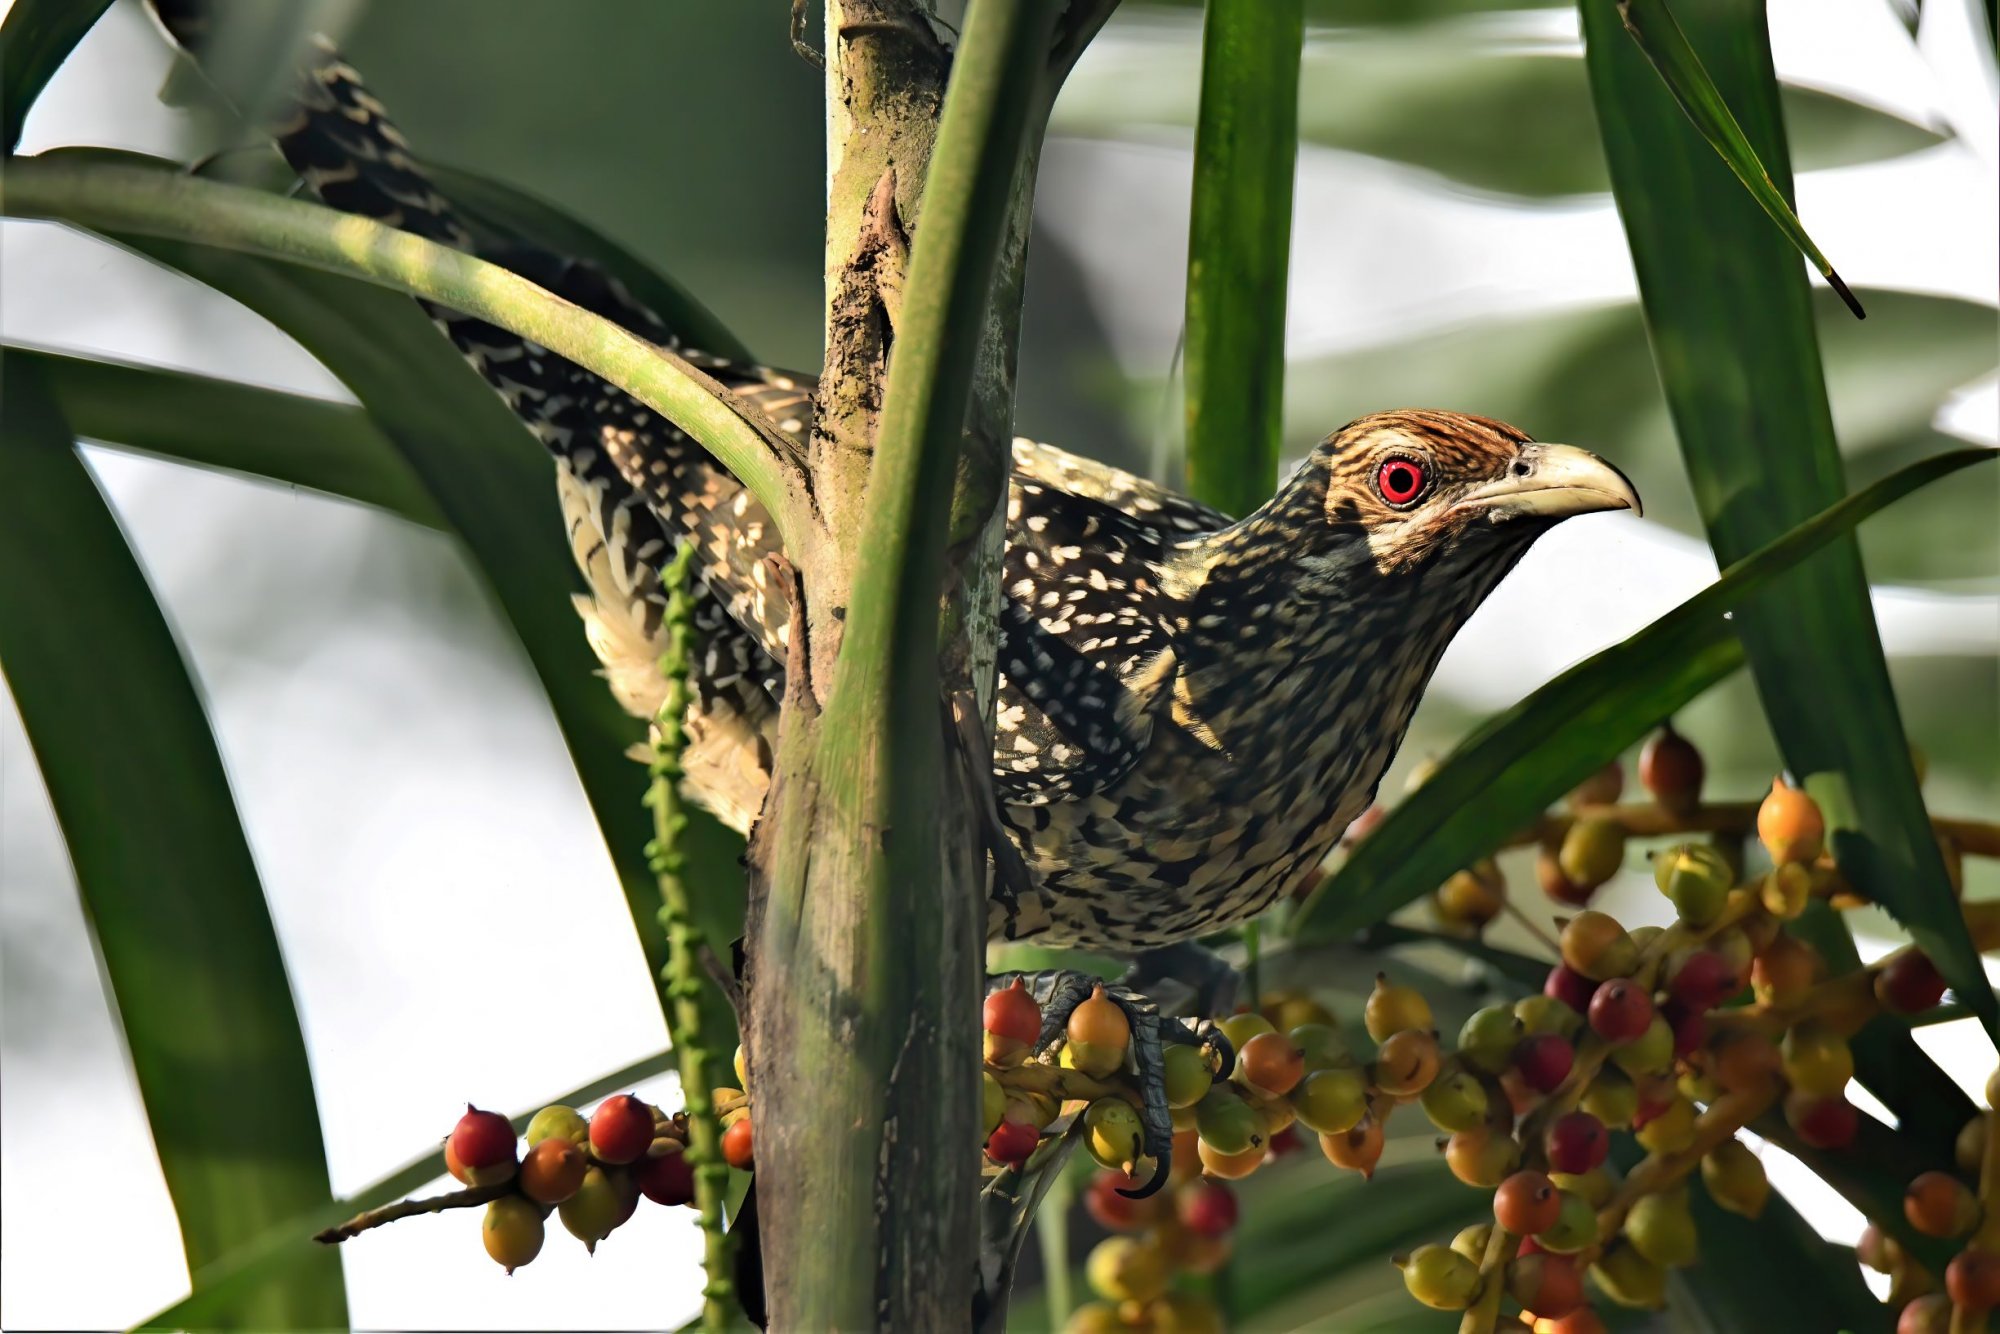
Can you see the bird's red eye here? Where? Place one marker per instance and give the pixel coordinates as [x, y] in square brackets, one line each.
[1400, 481]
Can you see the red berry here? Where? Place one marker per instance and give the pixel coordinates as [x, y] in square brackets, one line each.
[483, 1139]
[1620, 1011]
[1114, 1210]
[1548, 1285]
[1909, 983]
[1207, 1208]
[1690, 1028]
[1973, 1280]
[736, 1146]
[668, 1179]
[1012, 1013]
[1824, 1123]
[1544, 1060]
[1570, 987]
[1704, 980]
[1577, 1142]
[1527, 1203]
[620, 1129]
[1012, 1142]
[1672, 770]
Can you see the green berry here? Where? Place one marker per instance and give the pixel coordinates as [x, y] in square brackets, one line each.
[1650, 1053]
[1735, 1178]
[1226, 1123]
[1440, 1277]
[1455, 1101]
[1661, 1229]
[1696, 880]
[1489, 1037]
[1630, 1279]
[559, 1122]
[1575, 1226]
[1546, 1014]
[1332, 1100]
[1188, 1076]
[1613, 1098]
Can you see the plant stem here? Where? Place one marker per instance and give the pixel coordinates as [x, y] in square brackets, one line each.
[470, 1197]
[683, 980]
[115, 197]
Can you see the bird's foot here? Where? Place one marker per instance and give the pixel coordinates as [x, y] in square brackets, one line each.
[1186, 978]
[1060, 991]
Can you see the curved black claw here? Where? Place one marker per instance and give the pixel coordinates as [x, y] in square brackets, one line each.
[1060, 991]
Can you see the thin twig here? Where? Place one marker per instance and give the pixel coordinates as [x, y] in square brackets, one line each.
[470, 1197]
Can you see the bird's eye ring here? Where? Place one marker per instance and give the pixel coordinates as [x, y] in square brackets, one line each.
[1400, 481]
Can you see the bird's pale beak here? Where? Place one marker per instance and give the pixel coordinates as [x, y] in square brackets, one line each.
[1553, 482]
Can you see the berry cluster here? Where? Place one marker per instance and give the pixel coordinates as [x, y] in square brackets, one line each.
[592, 1172]
[1941, 1205]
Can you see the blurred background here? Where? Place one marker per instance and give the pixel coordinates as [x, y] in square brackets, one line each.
[408, 798]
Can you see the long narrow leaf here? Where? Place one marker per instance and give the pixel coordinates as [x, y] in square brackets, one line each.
[1660, 38]
[35, 39]
[1732, 333]
[166, 876]
[280, 437]
[1239, 249]
[287, 1244]
[1508, 771]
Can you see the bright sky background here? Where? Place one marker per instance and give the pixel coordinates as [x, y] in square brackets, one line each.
[438, 810]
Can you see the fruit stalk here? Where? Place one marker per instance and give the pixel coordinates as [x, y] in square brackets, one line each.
[682, 977]
[469, 1198]
[1973, 838]
[1484, 1313]
[1657, 1171]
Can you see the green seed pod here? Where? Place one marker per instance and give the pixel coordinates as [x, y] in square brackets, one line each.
[1575, 1229]
[1817, 1060]
[1489, 1037]
[1612, 1097]
[1471, 1242]
[1546, 1014]
[1187, 1074]
[1331, 1101]
[1735, 1178]
[1629, 1278]
[1455, 1101]
[1696, 879]
[1592, 851]
[1661, 1229]
[1651, 1053]
[1226, 1123]
[1440, 1277]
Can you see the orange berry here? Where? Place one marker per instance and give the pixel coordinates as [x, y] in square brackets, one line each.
[1357, 1150]
[1527, 1203]
[1939, 1205]
[1271, 1063]
[552, 1171]
[736, 1146]
[1789, 824]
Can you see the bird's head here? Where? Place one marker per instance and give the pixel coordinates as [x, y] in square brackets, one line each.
[1416, 491]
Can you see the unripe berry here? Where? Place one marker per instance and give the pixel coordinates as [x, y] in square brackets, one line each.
[1098, 1035]
[1594, 1187]
[1939, 1205]
[1695, 879]
[1322, 1044]
[1592, 851]
[1489, 1037]
[1471, 898]
[1440, 1277]
[1786, 891]
[1548, 1013]
[1973, 1280]
[1470, 1242]
[1817, 1060]
[1559, 887]
[1187, 1074]
[666, 1179]
[1652, 1052]
[1701, 979]
[1822, 1122]
[1621, 1011]
[1527, 1203]
[1455, 1101]
[1127, 1269]
[738, 1148]
[1661, 1229]
[1271, 1064]
[512, 1230]
[483, 1145]
[1612, 1098]
[1671, 1129]
[1544, 1061]
[592, 1213]
[1482, 1158]
[1392, 1009]
[1595, 945]
[1226, 1123]
[1545, 1285]
[1735, 1178]
[1113, 1134]
[1332, 1100]
[1012, 1142]
[1602, 788]
[1909, 983]
[1789, 824]
[1357, 1150]
[1629, 1278]
[993, 1100]
[1240, 1028]
[1289, 1009]
[1406, 1063]
[1577, 1142]
[552, 1171]
[1013, 1023]
[559, 1122]
[1206, 1207]
[1969, 1150]
[1672, 770]
[1575, 1228]
[620, 1129]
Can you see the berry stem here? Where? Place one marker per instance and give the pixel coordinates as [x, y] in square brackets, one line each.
[1973, 838]
[469, 1198]
[683, 979]
[1657, 1171]
[1484, 1313]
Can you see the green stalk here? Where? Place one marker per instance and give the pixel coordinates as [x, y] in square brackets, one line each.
[682, 978]
[114, 197]
[1239, 246]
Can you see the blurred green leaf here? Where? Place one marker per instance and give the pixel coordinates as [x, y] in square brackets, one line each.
[280, 437]
[1461, 101]
[1726, 303]
[1391, 13]
[166, 877]
[285, 1245]
[1586, 377]
[1239, 248]
[1508, 771]
[487, 475]
[35, 39]
[1653, 26]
